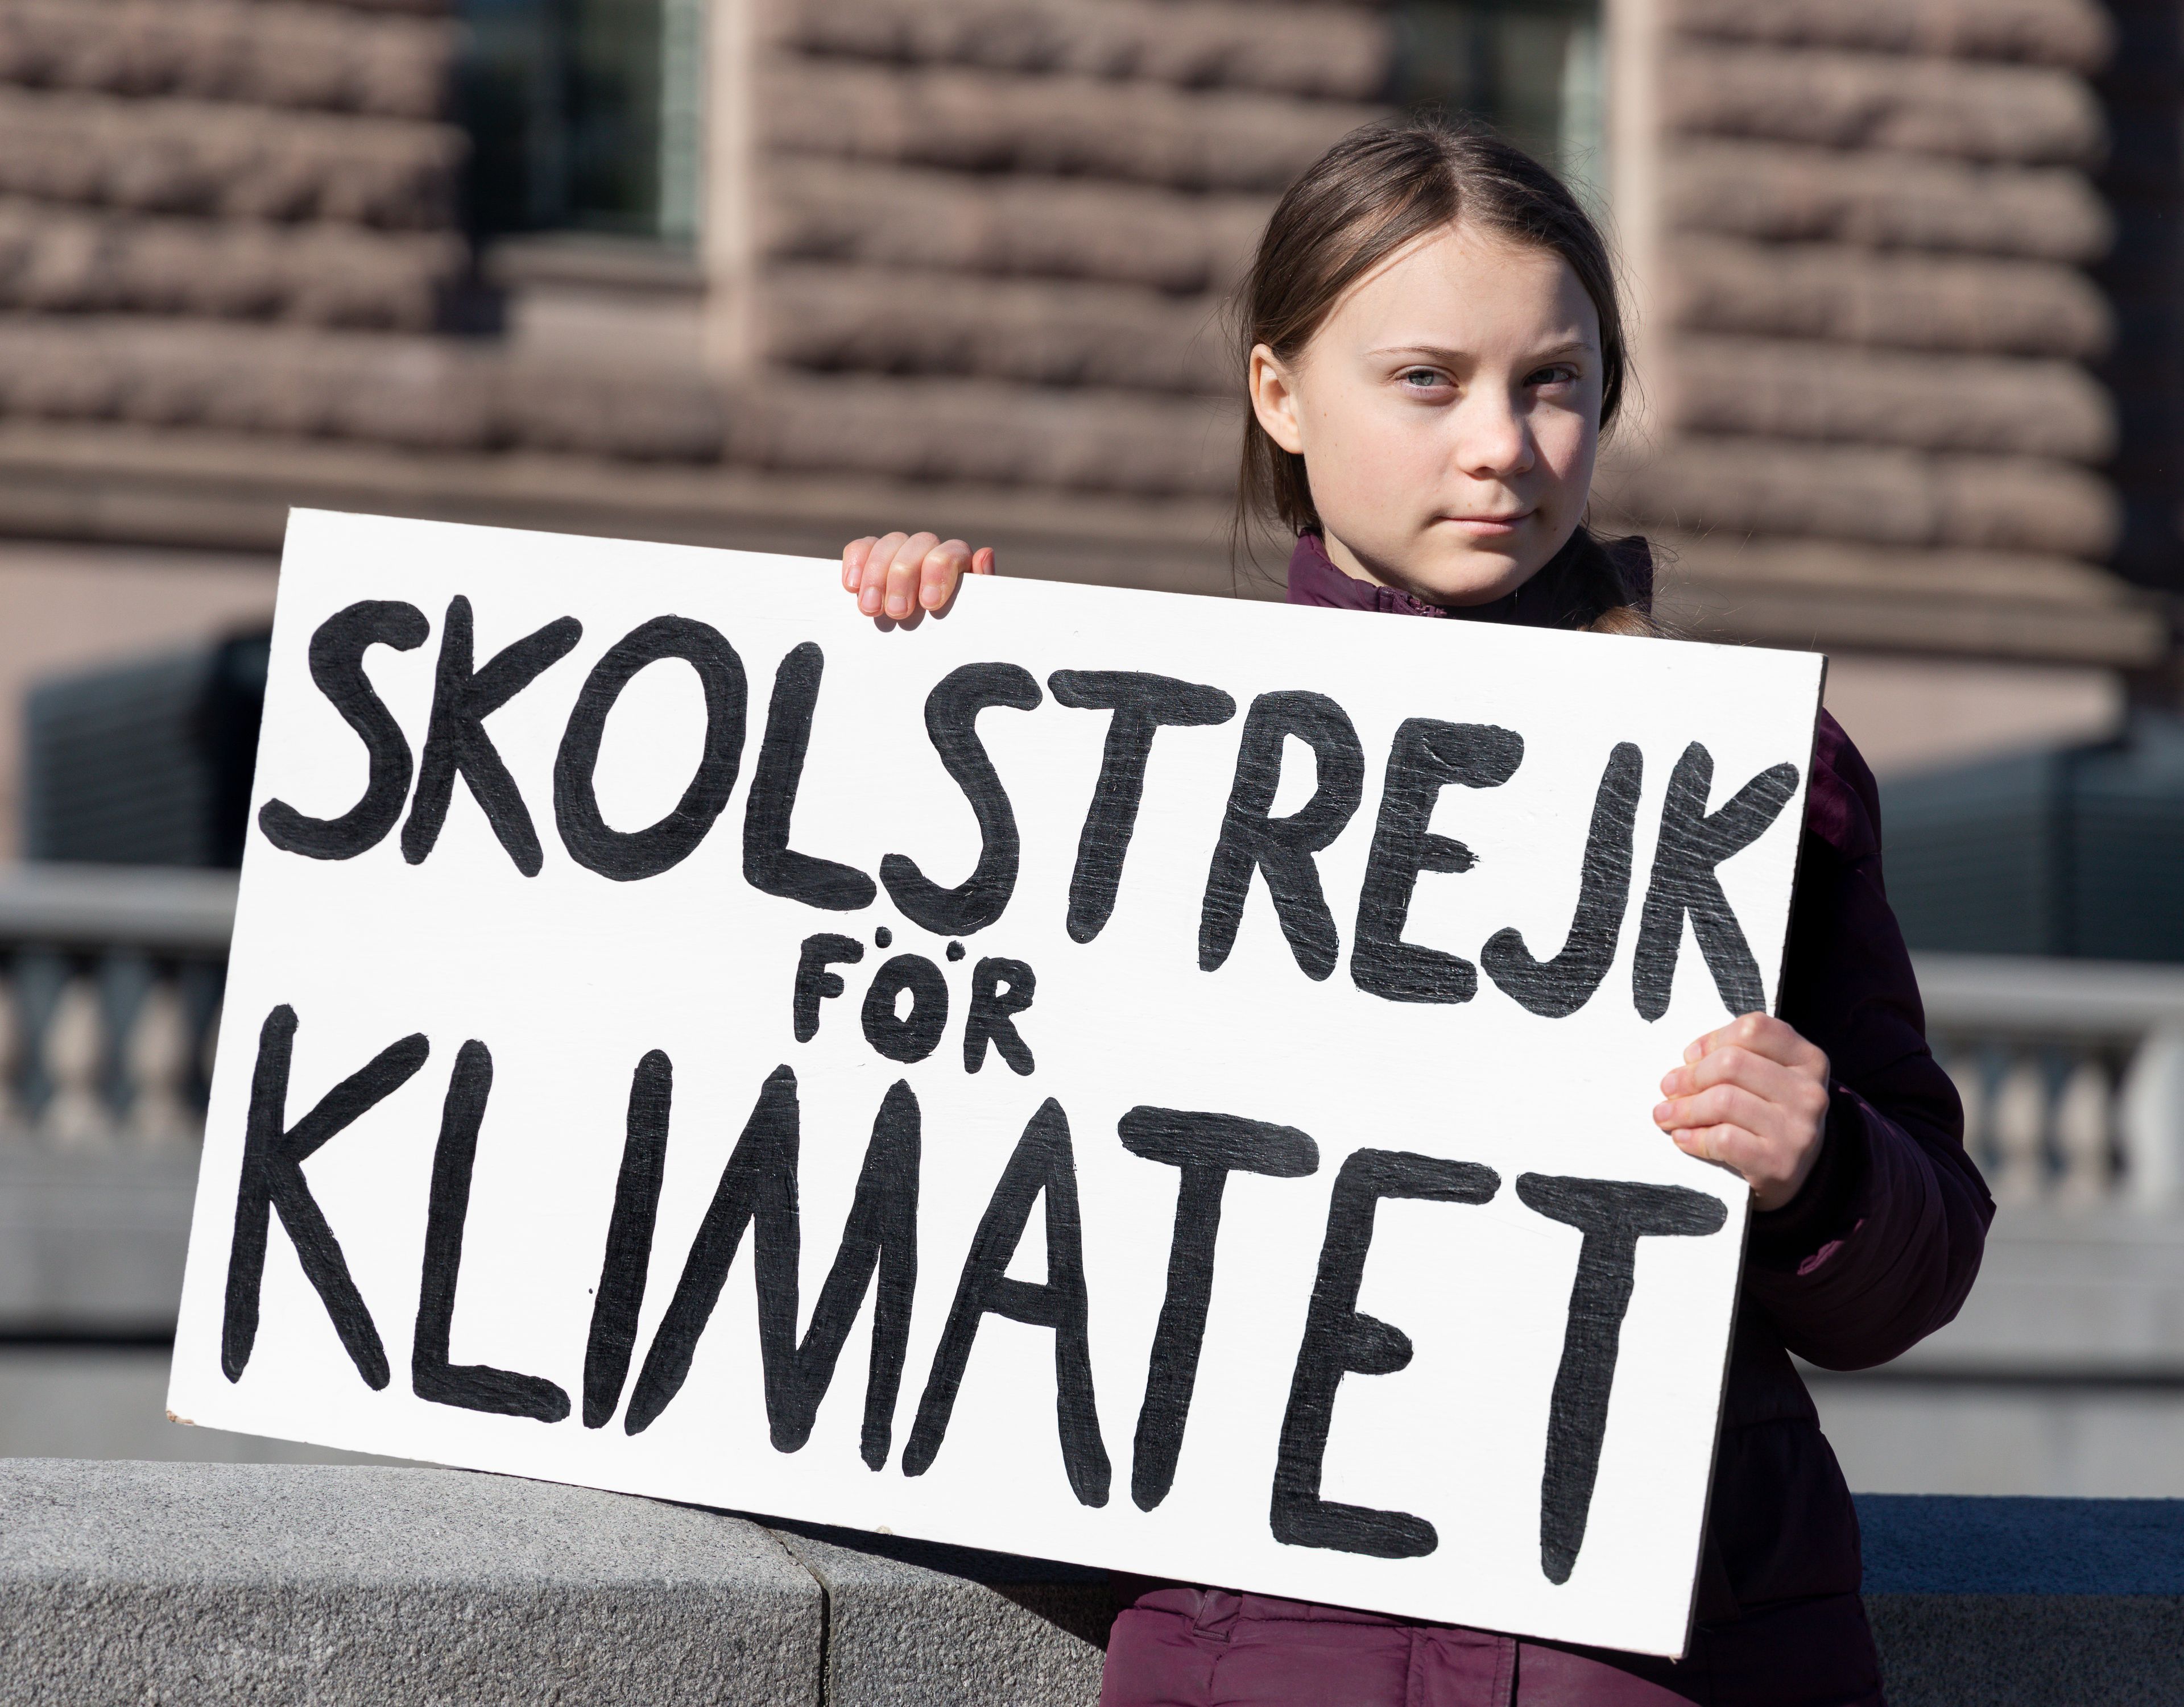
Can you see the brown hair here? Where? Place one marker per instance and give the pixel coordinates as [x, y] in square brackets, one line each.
[1380, 188]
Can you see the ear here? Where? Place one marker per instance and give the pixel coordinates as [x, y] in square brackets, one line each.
[1273, 387]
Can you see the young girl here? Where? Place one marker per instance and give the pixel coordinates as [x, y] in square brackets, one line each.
[1433, 346]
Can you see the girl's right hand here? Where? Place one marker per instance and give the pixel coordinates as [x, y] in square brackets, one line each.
[899, 574]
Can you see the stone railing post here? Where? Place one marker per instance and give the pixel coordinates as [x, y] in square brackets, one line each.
[2152, 1122]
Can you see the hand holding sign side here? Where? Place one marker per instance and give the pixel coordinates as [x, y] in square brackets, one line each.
[899, 574]
[1753, 1096]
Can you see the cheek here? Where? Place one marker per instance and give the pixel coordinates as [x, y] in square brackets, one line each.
[1367, 453]
[1568, 445]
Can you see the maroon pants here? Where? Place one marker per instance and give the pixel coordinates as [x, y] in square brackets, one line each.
[1207, 1647]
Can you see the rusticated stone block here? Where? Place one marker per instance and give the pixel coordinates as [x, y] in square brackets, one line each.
[987, 122]
[187, 157]
[817, 209]
[549, 409]
[1854, 296]
[418, 398]
[1887, 201]
[2055, 409]
[1759, 589]
[276, 52]
[2073, 33]
[431, 393]
[1878, 496]
[416, 8]
[1956, 622]
[986, 435]
[881, 320]
[1332, 51]
[59, 258]
[2024, 114]
[1850, 570]
[423, 393]
[2020, 503]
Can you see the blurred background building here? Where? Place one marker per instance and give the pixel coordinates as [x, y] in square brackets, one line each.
[1908, 279]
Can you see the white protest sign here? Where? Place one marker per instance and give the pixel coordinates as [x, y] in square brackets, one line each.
[1159, 1082]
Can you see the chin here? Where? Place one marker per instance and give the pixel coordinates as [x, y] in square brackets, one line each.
[1475, 578]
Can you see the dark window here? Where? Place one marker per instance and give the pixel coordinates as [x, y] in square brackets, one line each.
[583, 115]
[2143, 90]
[1533, 68]
[146, 763]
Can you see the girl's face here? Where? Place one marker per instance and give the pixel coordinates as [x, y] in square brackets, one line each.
[1448, 412]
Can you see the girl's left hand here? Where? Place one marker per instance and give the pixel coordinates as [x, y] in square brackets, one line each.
[1754, 1096]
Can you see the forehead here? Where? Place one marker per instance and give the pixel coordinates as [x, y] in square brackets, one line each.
[1462, 286]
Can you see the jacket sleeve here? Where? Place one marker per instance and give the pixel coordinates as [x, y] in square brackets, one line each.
[1882, 1244]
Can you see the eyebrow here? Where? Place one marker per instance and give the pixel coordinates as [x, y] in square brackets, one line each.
[1441, 353]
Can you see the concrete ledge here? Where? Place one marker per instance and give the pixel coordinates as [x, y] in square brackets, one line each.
[336, 1586]
[264, 1583]
[910, 1624]
[366, 1587]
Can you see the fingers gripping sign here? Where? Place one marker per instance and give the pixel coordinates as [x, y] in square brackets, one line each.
[1753, 1096]
[902, 575]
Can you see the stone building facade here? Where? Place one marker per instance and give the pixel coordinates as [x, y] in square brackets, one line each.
[1909, 353]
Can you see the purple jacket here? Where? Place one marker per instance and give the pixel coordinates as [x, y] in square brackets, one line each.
[1876, 1251]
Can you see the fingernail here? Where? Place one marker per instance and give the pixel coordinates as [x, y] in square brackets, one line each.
[1662, 1112]
[898, 607]
[1692, 1054]
[868, 601]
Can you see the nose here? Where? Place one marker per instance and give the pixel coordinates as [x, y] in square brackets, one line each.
[1493, 441]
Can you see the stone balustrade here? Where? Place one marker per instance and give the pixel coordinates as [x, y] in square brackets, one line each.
[2072, 1073]
[110, 982]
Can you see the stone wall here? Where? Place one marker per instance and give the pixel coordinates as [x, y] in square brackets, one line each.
[1874, 327]
[252, 159]
[1137, 148]
[970, 270]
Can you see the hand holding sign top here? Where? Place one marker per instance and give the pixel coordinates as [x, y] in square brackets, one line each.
[899, 574]
[1753, 1096]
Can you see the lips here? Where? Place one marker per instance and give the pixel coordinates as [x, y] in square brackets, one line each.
[1488, 520]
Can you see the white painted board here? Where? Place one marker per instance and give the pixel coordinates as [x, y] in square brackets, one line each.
[544, 1069]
